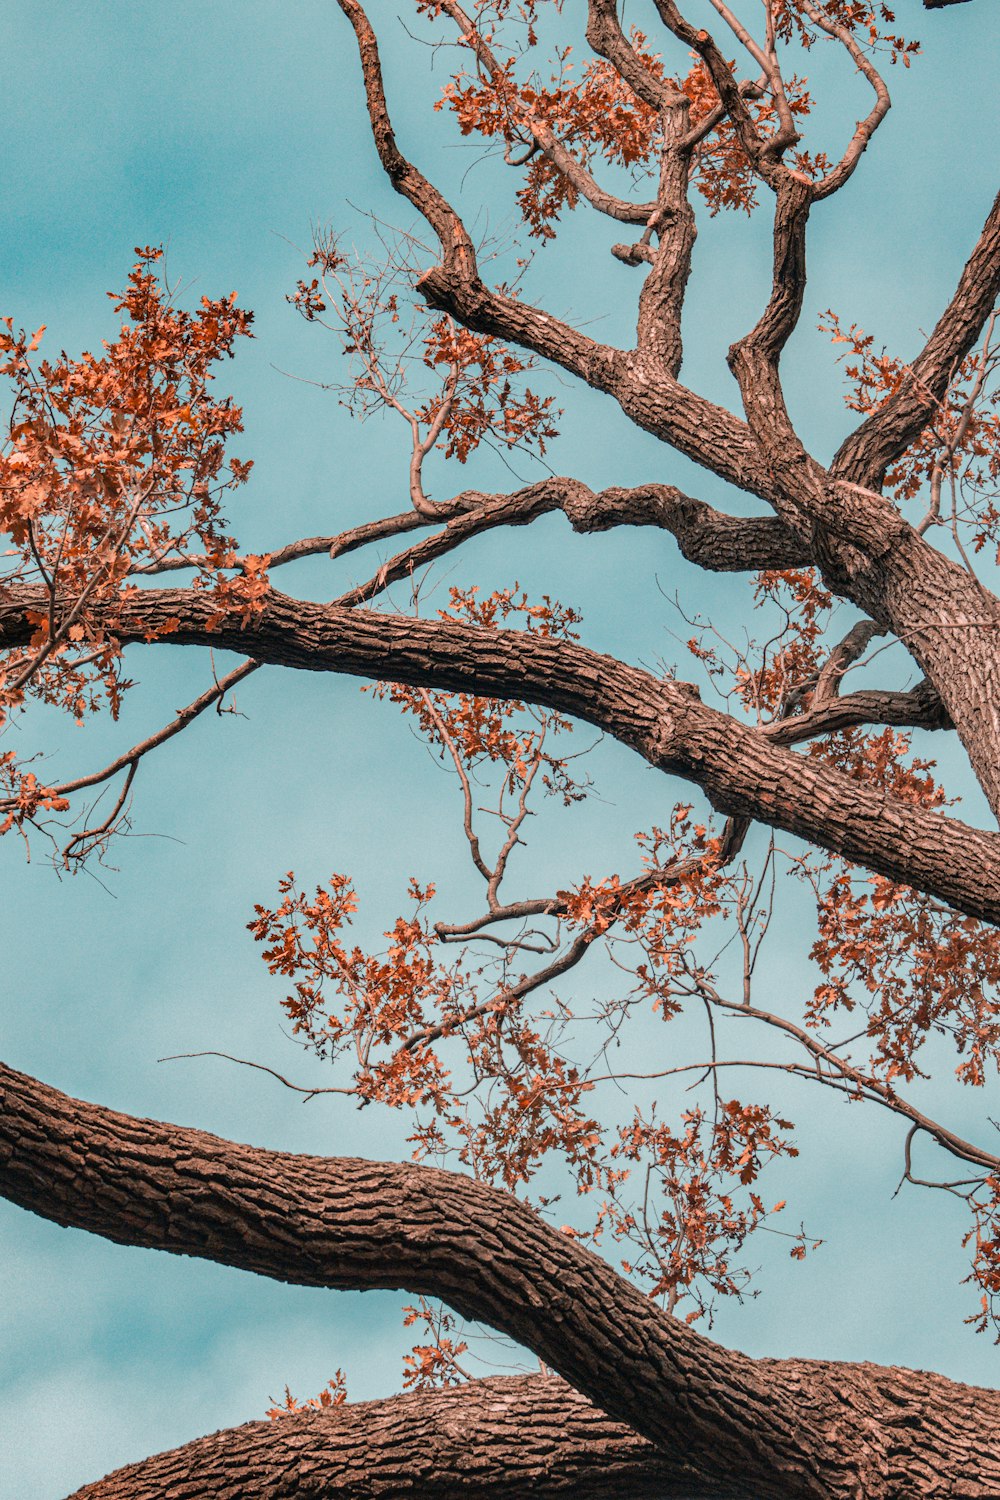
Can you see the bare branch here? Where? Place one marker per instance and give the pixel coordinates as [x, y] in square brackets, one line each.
[130, 758]
[919, 708]
[864, 1083]
[865, 128]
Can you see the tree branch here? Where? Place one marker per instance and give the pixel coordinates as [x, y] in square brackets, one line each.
[885, 435]
[739, 769]
[497, 1439]
[920, 708]
[791, 1429]
[605, 36]
[711, 539]
[703, 431]
[574, 170]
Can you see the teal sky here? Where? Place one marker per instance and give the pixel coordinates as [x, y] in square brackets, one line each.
[227, 132]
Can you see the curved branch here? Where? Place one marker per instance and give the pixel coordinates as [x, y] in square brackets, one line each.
[545, 139]
[500, 1439]
[457, 277]
[605, 36]
[791, 1429]
[456, 244]
[129, 759]
[884, 436]
[762, 152]
[649, 396]
[865, 1085]
[920, 708]
[713, 539]
[866, 128]
[739, 769]
[710, 538]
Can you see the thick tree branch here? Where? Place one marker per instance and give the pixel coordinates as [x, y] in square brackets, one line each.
[867, 552]
[789, 1428]
[458, 270]
[741, 772]
[495, 1439]
[762, 151]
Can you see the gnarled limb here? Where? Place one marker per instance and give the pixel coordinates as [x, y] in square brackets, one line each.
[788, 1428]
[715, 540]
[605, 36]
[710, 538]
[708, 433]
[920, 708]
[867, 552]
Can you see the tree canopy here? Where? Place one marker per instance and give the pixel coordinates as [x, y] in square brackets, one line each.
[585, 1032]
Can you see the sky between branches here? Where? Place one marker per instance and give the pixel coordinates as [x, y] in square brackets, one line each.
[226, 134]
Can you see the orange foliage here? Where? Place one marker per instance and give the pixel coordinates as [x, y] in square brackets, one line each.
[334, 1394]
[687, 1247]
[862, 19]
[480, 396]
[481, 730]
[482, 401]
[509, 1099]
[113, 463]
[504, 1088]
[436, 1364]
[955, 462]
[599, 118]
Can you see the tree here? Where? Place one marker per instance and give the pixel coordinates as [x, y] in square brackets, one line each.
[116, 472]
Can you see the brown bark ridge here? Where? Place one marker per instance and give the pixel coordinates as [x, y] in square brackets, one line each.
[499, 1439]
[787, 1428]
[742, 771]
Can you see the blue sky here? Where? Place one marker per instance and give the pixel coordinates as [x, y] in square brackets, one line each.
[227, 132]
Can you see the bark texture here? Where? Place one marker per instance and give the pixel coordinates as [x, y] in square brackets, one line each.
[701, 1421]
[498, 1439]
[787, 1428]
[742, 771]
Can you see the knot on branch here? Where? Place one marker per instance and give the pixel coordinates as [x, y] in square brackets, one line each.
[634, 255]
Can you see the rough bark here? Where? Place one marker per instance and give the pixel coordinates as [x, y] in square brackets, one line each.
[713, 1423]
[787, 1428]
[498, 1439]
[868, 552]
[644, 389]
[742, 771]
